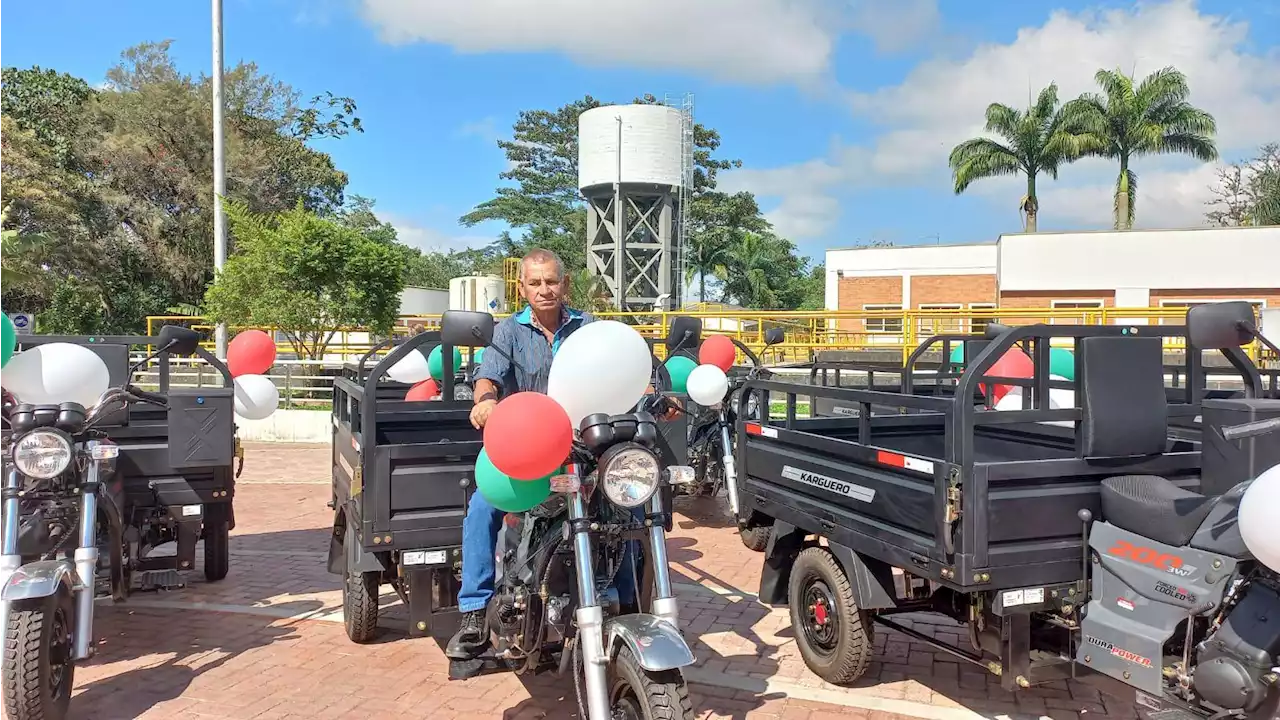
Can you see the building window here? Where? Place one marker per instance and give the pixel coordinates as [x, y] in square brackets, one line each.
[978, 325]
[1083, 305]
[883, 324]
[942, 323]
[1258, 306]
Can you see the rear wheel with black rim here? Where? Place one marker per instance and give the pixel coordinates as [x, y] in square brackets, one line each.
[835, 637]
[359, 597]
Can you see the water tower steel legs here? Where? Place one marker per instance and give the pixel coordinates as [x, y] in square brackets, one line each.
[632, 245]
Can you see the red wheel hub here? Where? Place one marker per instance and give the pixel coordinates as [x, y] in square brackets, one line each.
[820, 613]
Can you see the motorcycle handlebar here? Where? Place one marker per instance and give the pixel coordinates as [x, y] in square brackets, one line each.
[1251, 429]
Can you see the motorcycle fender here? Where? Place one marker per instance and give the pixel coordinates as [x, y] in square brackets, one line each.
[656, 643]
[356, 557]
[40, 580]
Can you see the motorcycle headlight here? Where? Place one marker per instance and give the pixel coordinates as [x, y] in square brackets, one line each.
[629, 475]
[42, 454]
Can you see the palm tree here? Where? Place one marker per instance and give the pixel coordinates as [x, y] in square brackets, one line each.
[1125, 122]
[1035, 141]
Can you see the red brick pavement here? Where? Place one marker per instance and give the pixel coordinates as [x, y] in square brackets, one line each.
[179, 662]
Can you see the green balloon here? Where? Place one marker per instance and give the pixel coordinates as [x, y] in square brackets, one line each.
[435, 365]
[1062, 362]
[8, 339]
[679, 367]
[477, 357]
[957, 355]
[509, 495]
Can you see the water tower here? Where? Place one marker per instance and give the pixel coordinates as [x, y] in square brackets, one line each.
[635, 170]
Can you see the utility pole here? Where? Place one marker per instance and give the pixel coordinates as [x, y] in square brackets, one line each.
[219, 170]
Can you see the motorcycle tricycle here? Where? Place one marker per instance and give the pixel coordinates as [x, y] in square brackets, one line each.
[556, 602]
[67, 536]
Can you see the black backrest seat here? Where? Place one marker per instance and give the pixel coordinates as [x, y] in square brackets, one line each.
[1122, 397]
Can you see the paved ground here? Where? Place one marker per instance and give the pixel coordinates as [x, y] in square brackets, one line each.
[267, 642]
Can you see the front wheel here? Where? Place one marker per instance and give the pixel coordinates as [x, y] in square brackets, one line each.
[639, 694]
[756, 538]
[39, 670]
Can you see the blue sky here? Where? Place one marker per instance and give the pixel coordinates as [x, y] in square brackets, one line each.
[842, 111]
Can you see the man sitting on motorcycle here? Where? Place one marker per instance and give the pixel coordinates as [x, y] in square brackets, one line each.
[532, 337]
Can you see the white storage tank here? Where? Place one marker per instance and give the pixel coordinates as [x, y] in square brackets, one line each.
[652, 147]
[483, 293]
[423, 301]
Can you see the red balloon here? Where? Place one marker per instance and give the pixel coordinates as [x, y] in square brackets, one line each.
[251, 352]
[528, 436]
[425, 390]
[1013, 364]
[718, 350]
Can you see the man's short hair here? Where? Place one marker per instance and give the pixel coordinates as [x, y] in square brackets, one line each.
[539, 255]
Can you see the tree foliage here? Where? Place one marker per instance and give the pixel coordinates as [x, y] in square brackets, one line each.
[307, 276]
[108, 192]
[1128, 120]
[1036, 140]
[1248, 193]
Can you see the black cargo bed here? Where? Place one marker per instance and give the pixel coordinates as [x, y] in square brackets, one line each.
[965, 496]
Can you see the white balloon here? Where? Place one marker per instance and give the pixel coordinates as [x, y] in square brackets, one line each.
[56, 373]
[603, 367]
[410, 369]
[707, 385]
[1260, 516]
[256, 397]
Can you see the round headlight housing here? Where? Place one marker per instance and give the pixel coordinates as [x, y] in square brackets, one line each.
[42, 454]
[629, 475]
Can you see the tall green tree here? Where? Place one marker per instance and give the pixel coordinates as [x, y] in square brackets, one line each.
[307, 276]
[1035, 141]
[1128, 120]
[118, 180]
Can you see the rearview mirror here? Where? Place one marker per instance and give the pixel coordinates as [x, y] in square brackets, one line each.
[773, 336]
[177, 340]
[465, 328]
[1218, 326]
[685, 333]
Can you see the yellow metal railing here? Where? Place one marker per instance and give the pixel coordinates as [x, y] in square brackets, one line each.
[808, 332]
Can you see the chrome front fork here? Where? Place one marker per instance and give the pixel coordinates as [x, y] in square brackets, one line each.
[664, 599]
[589, 616]
[86, 559]
[729, 464]
[10, 560]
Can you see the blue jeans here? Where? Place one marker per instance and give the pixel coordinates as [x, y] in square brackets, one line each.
[480, 531]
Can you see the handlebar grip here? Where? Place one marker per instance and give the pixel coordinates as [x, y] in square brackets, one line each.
[1251, 429]
[149, 397]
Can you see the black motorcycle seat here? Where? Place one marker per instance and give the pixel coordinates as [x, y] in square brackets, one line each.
[1154, 507]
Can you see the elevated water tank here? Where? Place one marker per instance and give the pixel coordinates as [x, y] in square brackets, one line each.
[652, 146]
[483, 293]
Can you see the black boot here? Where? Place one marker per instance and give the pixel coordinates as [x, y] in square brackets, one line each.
[471, 639]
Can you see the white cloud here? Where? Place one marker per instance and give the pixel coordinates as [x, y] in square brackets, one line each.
[751, 41]
[486, 129]
[942, 101]
[430, 240]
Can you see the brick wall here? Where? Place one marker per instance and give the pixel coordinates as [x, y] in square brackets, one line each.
[926, 289]
[855, 292]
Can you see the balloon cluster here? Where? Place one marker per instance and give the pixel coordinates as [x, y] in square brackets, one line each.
[705, 382]
[604, 367]
[1017, 364]
[250, 354]
[423, 373]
